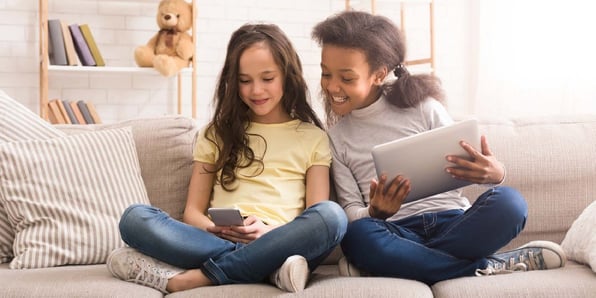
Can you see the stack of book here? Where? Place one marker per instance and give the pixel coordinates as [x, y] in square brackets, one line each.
[72, 112]
[69, 44]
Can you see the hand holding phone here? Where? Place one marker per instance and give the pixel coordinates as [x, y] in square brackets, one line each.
[226, 216]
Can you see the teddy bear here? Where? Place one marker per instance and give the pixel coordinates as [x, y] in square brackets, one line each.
[171, 49]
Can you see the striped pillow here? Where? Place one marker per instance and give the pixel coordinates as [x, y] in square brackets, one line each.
[18, 123]
[64, 196]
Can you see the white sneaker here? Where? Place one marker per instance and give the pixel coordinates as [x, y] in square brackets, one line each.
[293, 274]
[130, 265]
[534, 255]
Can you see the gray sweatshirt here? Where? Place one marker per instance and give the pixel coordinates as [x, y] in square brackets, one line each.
[352, 139]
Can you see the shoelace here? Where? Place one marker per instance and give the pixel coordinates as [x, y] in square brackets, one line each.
[531, 262]
[495, 268]
[520, 266]
[147, 274]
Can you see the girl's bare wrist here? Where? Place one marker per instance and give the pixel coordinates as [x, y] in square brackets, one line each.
[500, 182]
[375, 214]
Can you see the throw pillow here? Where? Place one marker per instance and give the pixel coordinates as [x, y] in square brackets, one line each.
[164, 147]
[18, 123]
[580, 241]
[64, 196]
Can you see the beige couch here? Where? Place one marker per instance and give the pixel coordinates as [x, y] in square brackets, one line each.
[550, 160]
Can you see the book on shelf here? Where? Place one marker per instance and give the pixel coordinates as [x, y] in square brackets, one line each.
[81, 46]
[63, 112]
[69, 112]
[71, 54]
[72, 112]
[51, 116]
[56, 48]
[86, 31]
[54, 112]
[85, 112]
[93, 113]
[77, 112]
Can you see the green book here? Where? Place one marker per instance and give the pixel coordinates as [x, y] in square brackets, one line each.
[92, 45]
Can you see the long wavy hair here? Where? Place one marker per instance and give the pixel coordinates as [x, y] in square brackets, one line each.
[384, 46]
[231, 119]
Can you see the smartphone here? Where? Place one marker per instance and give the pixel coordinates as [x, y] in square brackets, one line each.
[226, 216]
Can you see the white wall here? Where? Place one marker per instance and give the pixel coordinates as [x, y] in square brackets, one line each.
[120, 26]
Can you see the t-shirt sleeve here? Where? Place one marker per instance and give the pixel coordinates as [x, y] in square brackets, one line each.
[205, 151]
[321, 153]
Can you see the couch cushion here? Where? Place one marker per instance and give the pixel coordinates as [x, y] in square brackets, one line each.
[574, 280]
[164, 147]
[324, 282]
[68, 281]
[18, 123]
[550, 160]
[64, 196]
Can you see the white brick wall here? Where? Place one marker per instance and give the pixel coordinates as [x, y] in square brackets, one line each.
[120, 26]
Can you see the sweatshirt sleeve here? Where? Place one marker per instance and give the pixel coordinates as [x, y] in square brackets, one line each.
[435, 114]
[347, 193]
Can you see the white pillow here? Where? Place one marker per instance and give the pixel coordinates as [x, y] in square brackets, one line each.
[580, 241]
[18, 123]
[64, 196]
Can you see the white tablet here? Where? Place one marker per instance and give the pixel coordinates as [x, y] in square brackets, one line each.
[421, 158]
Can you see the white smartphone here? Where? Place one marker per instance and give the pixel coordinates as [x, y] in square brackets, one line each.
[226, 216]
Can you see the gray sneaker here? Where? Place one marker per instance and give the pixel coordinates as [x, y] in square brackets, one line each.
[534, 255]
[130, 265]
[293, 274]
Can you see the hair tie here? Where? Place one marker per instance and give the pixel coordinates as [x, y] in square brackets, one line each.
[400, 71]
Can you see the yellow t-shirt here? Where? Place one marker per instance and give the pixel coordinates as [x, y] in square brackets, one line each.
[277, 194]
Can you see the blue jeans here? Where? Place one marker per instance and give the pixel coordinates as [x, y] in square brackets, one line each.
[432, 247]
[313, 234]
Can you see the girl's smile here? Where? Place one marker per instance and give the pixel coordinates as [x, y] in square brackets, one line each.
[347, 80]
[260, 85]
[259, 101]
[339, 99]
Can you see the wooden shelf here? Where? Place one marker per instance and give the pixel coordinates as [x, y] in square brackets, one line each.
[121, 69]
[45, 68]
[430, 61]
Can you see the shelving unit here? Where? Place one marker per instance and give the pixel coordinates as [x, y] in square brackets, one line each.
[430, 60]
[45, 68]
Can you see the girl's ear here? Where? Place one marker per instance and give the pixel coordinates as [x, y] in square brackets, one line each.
[380, 75]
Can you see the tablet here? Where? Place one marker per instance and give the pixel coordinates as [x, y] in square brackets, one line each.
[421, 158]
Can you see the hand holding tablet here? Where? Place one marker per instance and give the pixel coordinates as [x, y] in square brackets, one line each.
[421, 158]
